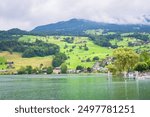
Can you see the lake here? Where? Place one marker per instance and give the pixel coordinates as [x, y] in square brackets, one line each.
[72, 87]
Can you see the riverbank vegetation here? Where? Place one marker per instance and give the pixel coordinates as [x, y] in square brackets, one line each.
[126, 60]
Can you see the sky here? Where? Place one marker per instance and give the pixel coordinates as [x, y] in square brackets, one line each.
[27, 14]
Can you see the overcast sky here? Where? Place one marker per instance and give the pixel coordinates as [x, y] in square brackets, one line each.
[27, 14]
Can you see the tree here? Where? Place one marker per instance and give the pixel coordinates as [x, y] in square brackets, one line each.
[125, 59]
[144, 56]
[88, 60]
[22, 70]
[63, 68]
[86, 48]
[96, 58]
[79, 67]
[29, 69]
[59, 59]
[112, 68]
[37, 48]
[141, 66]
[89, 70]
[148, 63]
[49, 70]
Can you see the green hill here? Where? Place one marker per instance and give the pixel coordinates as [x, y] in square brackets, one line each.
[76, 52]
[79, 50]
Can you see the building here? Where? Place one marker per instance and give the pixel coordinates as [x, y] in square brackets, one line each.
[57, 70]
[96, 67]
[10, 65]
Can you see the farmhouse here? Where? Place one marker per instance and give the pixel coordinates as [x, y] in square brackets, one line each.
[10, 65]
[57, 70]
[96, 67]
[100, 66]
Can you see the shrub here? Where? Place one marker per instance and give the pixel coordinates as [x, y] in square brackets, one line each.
[148, 63]
[141, 66]
[96, 58]
[63, 68]
[79, 67]
[49, 70]
[86, 48]
[88, 60]
[59, 59]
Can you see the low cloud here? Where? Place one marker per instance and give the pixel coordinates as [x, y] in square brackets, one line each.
[26, 14]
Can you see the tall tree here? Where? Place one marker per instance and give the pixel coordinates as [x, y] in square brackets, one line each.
[125, 59]
[63, 68]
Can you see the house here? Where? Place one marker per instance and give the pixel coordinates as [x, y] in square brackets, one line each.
[106, 61]
[57, 70]
[96, 67]
[71, 71]
[100, 66]
[10, 65]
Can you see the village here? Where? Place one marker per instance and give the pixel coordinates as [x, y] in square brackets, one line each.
[98, 67]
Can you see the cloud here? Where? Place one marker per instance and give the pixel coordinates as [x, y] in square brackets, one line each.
[26, 14]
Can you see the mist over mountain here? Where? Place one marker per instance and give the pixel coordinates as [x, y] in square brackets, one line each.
[78, 26]
[72, 27]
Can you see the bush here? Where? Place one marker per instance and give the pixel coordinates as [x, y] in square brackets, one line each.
[148, 63]
[112, 69]
[89, 69]
[86, 48]
[88, 60]
[63, 68]
[49, 70]
[69, 39]
[141, 66]
[22, 70]
[79, 67]
[96, 58]
[59, 59]
[29, 69]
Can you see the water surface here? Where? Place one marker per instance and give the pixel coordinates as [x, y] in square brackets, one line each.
[72, 87]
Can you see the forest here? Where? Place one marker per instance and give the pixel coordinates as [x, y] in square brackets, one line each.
[39, 48]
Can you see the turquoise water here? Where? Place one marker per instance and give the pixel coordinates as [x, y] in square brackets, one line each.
[72, 87]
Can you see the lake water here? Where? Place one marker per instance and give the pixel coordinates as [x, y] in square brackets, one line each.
[72, 87]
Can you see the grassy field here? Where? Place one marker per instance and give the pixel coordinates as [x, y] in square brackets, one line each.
[19, 61]
[94, 32]
[77, 55]
[2, 63]
[123, 42]
[75, 51]
[126, 40]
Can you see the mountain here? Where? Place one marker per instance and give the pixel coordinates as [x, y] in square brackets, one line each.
[73, 26]
[78, 26]
[10, 34]
[16, 31]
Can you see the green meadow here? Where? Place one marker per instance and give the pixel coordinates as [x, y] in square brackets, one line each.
[75, 51]
[2, 63]
[76, 55]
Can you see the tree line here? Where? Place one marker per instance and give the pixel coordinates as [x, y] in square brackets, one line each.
[104, 40]
[38, 48]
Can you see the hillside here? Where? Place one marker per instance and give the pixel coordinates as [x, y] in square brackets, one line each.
[75, 51]
[70, 27]
[95, 42]
[79, 26]
[19, 61]
[79, 50]
[14, 33]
